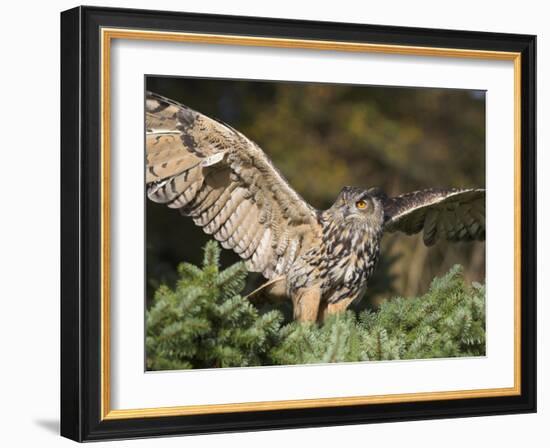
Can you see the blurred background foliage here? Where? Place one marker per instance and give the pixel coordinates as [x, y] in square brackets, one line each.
[325, 136]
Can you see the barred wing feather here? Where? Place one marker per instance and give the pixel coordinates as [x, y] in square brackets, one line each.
[452, 214]
[227, 184]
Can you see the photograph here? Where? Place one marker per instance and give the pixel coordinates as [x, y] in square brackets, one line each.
[272, 223]
[294, 223]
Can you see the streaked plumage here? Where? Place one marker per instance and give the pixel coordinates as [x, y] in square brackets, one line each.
[321, 260]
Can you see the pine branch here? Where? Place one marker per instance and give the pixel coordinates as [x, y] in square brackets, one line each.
[204, 322]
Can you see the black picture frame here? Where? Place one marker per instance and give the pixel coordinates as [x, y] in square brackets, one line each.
[81, 209]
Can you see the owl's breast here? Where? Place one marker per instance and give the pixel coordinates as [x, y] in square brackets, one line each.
[349, 261]
[340, 266]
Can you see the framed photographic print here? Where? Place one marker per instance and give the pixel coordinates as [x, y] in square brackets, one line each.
[276, 224]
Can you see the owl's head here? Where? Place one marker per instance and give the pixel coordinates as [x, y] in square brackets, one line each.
[356, 204]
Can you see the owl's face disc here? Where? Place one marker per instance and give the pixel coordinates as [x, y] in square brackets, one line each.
[360, 206]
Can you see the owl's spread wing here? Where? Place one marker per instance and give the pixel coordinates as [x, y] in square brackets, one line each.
[454, 215]
[227, 184]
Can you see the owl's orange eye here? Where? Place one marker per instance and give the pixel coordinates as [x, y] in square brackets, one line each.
[361, 204]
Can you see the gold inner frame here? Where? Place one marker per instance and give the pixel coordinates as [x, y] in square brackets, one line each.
[107, 35]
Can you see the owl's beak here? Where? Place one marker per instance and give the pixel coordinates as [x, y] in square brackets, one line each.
[347, 212]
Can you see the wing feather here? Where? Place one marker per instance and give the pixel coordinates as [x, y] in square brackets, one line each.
[214, 187]
[453, 214]
[227, 184]
[228, 231]
[244, 234]
[430, 226]
[226, 211]
[257, 231]
[210, 213]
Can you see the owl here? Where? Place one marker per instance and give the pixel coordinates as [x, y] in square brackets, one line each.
[321, 260]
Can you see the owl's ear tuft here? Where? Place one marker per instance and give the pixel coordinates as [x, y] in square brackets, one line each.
[344, 194]
[377, 192]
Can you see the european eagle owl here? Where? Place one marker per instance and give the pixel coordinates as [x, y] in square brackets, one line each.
[321, 260]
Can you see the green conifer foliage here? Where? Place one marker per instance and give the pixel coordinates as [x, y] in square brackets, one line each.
[204, 322]
[447, 321]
